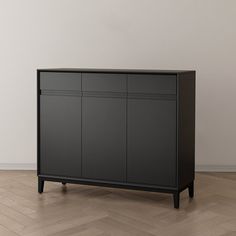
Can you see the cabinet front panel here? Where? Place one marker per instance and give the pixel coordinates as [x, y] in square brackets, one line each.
[106, 82]
[151, 157]
[104, 138]
[60, 81]
[60, 136]
[157, 84]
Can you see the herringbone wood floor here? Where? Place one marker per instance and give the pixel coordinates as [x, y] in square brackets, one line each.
[92, 211]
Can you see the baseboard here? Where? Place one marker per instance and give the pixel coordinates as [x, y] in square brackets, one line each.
[18, 166]
[215, 168]
[199, 168]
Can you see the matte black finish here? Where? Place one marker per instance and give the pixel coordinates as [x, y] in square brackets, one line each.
[104, 126]
[157, 84]
[60, 131]
[186, 128]
[116, 71]
[191, 190]
[104, 138]
[40, 185]
[104, 82]
[176, 200]
[119, 128]
[60, 81]
[151, 154]
[107, 183]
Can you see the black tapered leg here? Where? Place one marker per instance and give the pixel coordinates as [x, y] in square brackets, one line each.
[40, 185]
[191, 190]
[63, 183]
[176, 200]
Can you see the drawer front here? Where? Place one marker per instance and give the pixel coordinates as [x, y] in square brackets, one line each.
[154, 84]
[60, 81]
[104, 82]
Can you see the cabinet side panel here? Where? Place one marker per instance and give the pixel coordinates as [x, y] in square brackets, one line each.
[186, 128]
[38, 122]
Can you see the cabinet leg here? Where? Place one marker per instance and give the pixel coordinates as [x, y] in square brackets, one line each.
[191, 190]
[40, 185]
[176, 200]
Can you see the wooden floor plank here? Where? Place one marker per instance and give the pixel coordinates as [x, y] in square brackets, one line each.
[98, 211]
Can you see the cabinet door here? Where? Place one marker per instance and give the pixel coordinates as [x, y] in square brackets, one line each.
[60, 135]
[151, 157]
[104, 138]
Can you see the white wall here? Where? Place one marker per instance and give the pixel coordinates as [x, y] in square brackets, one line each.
[164, 34]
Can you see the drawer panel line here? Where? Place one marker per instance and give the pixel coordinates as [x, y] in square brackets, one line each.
[103, 94]
[153, 96]
[48, 92]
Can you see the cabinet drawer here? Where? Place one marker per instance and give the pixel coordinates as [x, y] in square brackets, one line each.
[159, 84]
[106, 82]
[60, 81]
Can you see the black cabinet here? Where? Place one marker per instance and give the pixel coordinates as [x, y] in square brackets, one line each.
[120, 128]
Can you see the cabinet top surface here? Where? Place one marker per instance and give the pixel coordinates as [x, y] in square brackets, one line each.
[93, 70]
